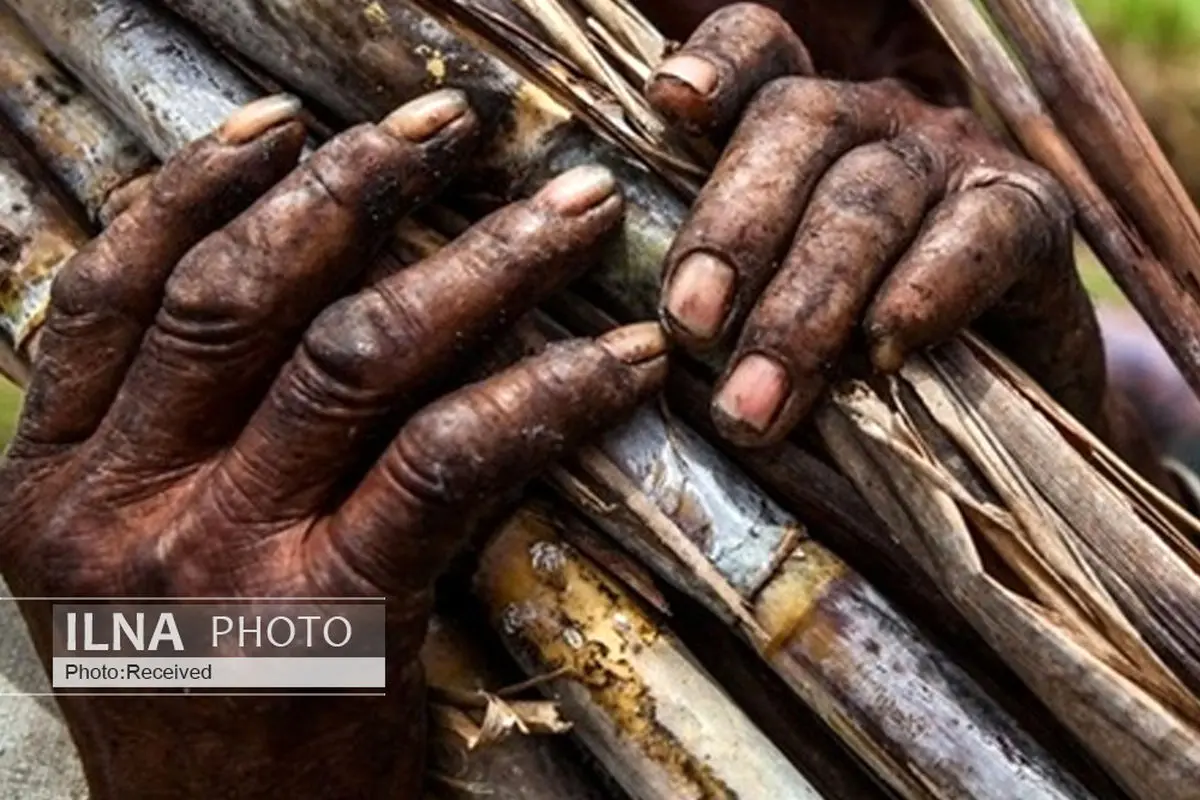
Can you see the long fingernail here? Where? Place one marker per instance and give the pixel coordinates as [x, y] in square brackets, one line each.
[635, 344]
[256, 118]
[696, 72]
[754, 393]
[579, 190]
[422, 118]
[700, 294]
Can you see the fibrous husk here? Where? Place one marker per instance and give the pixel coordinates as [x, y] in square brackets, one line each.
[492, 740]
[1077, 572]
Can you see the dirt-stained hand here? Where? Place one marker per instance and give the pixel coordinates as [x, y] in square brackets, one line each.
[219, 409]
[855, 211]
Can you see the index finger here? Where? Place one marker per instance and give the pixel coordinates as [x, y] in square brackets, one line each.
[416, 505]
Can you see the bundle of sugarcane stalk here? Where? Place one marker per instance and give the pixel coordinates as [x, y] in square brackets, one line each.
[1080, 576]
[661, 757]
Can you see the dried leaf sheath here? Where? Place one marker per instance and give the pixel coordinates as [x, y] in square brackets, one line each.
[1058, 628]
[519, 767]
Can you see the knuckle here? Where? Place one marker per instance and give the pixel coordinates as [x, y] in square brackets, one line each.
[766, 21]
[903, 157]
[362, 170]
[821, 101]
[428, 466]
[1050, 194]
[348, 345]
[214, 286]
[913, 156]
[1039, 200]
[91, 281]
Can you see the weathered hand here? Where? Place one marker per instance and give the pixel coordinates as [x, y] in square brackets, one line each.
[216, 411]
[841, 209]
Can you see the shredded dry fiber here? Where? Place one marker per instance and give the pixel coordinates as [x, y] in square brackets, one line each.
[1082, 576]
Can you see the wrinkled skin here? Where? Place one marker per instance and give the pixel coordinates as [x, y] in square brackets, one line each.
[218, 410]
[855, 204]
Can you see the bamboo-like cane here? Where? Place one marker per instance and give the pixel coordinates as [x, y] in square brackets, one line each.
[1058, 529]
[795, 729]
[37, 233]
[157, 77]
[987, 754]
[819, 625]
[464, 677]
[1101, 120]
[73, 135]
[1163, 291]
[653, 717]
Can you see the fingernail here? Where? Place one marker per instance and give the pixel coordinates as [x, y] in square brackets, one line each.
[256, 118]
[579, 190]
[887, 354]
[635, 344]
[700, 293]
[696, 72]
[420, 119]
[754, 393]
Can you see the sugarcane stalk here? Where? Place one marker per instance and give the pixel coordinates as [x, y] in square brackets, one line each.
[362, 61]
[1161, 291]
[993, 756]
[826, 501]
[826, 761]
[37, 233]
[636, 696]
[158, 78]
[1101, 120]
[74, 136]
[1057, 626]
[839, 517]
[824, 630]
[520, 766]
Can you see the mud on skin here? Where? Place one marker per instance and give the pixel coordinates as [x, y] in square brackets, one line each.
[188, 344]
[842, 210]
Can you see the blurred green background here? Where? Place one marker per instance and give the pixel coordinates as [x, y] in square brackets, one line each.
[1155, 46]
[10, 403]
